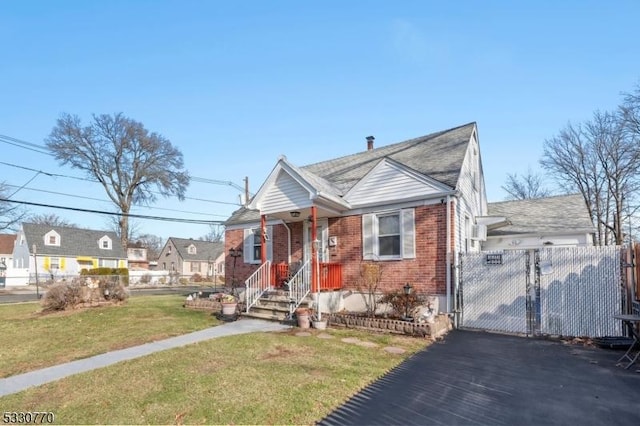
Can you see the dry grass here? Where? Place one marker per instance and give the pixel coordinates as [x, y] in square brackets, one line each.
[33, 340]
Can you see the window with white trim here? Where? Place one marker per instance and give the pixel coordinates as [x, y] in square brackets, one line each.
[104, 243]
[54, 263]
[108, 263]
[52, 238]
[195, 266]
[253, 245]
[389, 235]
[191, 249]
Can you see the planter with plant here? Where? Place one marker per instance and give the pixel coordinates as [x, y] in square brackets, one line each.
[229, 304]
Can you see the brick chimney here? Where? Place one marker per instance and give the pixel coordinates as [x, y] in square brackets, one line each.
[370, 140]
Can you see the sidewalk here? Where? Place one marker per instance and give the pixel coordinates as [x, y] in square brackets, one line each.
[22, 289]
[24, 381]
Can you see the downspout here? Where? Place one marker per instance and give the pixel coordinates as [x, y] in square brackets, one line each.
[448, 256]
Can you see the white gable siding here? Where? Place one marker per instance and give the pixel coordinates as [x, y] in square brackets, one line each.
[389, 183]
[472, 200]
[285, 195]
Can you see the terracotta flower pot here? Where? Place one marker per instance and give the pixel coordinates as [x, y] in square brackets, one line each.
[304, 317]
[229, 308]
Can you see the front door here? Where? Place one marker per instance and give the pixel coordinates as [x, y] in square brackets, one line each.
[322, 232]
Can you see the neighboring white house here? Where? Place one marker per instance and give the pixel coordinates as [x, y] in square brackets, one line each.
[6, 258]
[57, 251]
[558, 221]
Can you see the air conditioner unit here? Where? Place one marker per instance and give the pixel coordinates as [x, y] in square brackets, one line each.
[479, 232]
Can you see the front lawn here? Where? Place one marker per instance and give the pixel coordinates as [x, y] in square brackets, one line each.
[32, 340]
[260, 378]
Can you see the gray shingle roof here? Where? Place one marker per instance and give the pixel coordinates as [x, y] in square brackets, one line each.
[437, 155]
[562, 213]
[205, 250]
[73, 242]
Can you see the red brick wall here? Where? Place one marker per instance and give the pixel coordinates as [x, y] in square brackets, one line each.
[426, 273]
[234, 239]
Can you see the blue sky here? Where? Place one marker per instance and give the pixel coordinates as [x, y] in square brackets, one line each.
[234, 85]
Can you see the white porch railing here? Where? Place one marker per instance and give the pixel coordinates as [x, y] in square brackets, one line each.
[299, 286]
[257, 284]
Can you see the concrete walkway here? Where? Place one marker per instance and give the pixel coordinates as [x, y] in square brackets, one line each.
[24, 381]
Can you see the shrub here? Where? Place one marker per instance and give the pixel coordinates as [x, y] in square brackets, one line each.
[400, 302]
[196, 278]
[145, 279]
[113, 290]
[123, 273]
[61, 296]
[183, 281]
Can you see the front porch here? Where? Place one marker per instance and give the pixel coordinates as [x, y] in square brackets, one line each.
[329, 275]
[275, 291]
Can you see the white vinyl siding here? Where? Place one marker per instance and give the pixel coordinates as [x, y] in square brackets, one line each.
[285, 195]
[389, 182]
[252, 245]
[388, 235]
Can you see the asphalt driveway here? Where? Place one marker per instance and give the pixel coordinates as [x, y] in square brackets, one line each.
[477, 378]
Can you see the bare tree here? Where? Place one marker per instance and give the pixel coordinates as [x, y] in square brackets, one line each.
[598, 160]
[526, 186]
[630, 112]
[153, 243]
[133, 228]
[569, 158]
[10, 214]
[124, 157]
[51, 219]
[215, 234]
[368, 285]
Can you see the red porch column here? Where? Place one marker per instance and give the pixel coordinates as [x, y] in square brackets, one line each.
[263, 236]
[314, 252]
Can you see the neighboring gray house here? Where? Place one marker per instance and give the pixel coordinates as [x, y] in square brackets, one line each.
[189, 257]
[64, 251]
[558, 221]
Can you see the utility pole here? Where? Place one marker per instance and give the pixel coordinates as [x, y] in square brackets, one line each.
[246, 191]
[35, 263]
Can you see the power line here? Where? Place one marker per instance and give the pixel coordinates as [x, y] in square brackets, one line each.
[95, 181]
[137, 216]
[24, 145]
[111, 202]
[39, 148]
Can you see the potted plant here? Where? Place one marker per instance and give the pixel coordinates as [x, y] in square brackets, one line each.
[229, 304]
[303, 315]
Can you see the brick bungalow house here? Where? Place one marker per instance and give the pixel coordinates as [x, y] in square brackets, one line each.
[408, 207]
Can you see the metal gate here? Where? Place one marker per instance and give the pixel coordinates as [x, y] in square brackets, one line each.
[573, 291]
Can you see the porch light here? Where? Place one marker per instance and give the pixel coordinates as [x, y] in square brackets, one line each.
[295, 214]
[407, 289]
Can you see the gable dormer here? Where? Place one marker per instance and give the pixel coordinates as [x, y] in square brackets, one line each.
[105, 243]
[52, 238]
[390, 181]
[191, 249]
